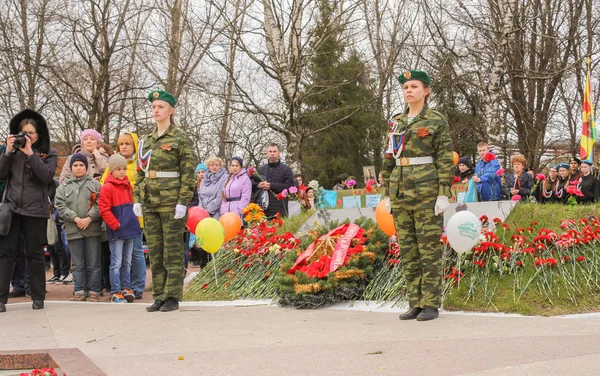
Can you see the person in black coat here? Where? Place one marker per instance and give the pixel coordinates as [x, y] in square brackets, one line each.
[588, 184]
[275, 177]
[29, 169]
[520, 183]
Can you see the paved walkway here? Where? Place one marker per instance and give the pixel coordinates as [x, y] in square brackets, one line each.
[231, 338]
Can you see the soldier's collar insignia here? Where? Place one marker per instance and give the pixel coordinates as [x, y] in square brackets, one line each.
[425, 116]
[156, 94]
[407, 75]
[166, 147]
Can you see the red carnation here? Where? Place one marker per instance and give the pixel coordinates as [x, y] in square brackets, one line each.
[489, 157]
[456, 179]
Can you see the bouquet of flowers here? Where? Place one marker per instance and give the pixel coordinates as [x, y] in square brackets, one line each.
[253, 213]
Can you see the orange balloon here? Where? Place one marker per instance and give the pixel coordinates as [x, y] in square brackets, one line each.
[455, 157]
[385, 220]
[232, 224]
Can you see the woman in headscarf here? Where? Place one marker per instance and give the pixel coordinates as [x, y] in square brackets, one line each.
[28, 164]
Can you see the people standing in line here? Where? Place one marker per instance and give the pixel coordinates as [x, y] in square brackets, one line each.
[341, 182]
[201, 170]
[545, 191]
[489, 184]
[519, 182]
[77, 204]
[575, 169]
[127, 146]
[163, 190]
[116, 209]
[562, 182]
[417, 172]
[91, 142]
[198, 257]
[589, 185]
[275, 177]
[238, 188]
[211, 188]
[464, 190]
[61, 260]
[28, 167]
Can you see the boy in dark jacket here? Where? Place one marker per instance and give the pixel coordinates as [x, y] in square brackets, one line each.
[116, 208]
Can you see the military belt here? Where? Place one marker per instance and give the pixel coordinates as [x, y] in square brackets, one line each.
[152, 174]
[413, 161]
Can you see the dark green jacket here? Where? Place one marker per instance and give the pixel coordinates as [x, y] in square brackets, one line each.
[171, 152]
[417, 187]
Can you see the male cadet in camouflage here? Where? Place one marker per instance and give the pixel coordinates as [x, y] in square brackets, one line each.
[164, 187]
[417, 171]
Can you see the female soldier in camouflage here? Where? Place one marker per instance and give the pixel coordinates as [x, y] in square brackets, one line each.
[417, 171]
[165, 184]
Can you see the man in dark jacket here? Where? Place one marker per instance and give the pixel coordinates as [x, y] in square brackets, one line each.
[276, 177]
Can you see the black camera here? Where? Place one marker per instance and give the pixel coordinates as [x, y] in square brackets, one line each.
[20, 140]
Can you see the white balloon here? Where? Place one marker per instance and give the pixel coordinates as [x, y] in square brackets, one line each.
[463, 231]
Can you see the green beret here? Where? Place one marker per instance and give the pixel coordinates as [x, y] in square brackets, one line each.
[163, 96]
[415, 75]
[588, 162]
[563, 165]
[554, 166]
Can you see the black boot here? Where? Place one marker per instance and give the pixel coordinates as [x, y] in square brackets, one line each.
[38, 304]
[2, 307]
[411, 314]
[170, 305]
[156, 306]
[428, 314]
[16, 293]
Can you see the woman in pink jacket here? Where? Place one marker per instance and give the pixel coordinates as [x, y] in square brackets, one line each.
[238, 188]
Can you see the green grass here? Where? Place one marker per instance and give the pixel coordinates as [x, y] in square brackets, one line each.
[208, 296]
[547, 215]
[500, 298]
[293, 224]
[499, 294]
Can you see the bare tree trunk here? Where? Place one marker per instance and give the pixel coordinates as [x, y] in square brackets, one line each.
[505, 9]
[234, 33]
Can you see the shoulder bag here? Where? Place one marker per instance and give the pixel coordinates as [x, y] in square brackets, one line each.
[5, 213]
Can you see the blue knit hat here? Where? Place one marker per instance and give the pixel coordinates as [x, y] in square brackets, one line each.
[79, 157]
[201, 166]
[239, 159]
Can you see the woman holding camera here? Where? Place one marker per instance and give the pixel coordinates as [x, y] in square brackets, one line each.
[29, 164]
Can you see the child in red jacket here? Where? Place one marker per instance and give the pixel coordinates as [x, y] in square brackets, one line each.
[123, 227]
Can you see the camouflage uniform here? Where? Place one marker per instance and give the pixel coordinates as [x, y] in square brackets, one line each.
[171, 152]
[413, 192]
